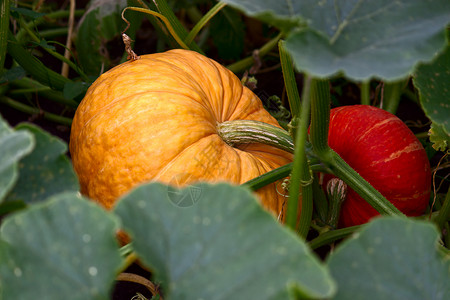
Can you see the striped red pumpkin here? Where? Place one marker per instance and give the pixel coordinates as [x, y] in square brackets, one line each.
[384, 151]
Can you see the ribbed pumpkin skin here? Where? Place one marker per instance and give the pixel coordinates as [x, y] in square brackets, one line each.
[154, 119]
[382, 149]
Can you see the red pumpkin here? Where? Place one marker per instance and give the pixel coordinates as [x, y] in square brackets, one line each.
[384, 151]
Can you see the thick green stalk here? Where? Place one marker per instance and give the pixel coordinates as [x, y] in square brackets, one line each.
[290, 82]
[35, 111]
[392, 93]
[320, 117]
[247, 62]
[365, 92]
[34, 67]
[301, 177]
[203, 21]
[4, 28]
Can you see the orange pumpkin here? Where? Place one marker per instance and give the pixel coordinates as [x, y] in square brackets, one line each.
[155, 119]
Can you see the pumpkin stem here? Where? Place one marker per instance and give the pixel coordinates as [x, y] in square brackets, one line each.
[248, 131]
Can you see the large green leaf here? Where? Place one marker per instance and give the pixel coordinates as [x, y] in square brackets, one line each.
[391, 258]
[65, 248]
[227, 32]
[44, 172]
[361, 38]
[13, 146]
[433, 82]
[221, 246]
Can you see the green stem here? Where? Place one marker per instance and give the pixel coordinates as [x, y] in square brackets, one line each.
[178, 28]
[54, 32]
[342, 170]
[365, 92]
[247, 62]
[29, 85]
[203, 21]
[269, 177]
[329, 237]
[35, 111]
[4, 28]
[392, 93]
[44, 19]
[34, 67]
[320, 116]
[290, 82]
[444, 213]
[55, 54]
[279, 173]
[422, 135]
[301, 177]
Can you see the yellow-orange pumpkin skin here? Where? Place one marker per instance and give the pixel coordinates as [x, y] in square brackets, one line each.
[155, 118]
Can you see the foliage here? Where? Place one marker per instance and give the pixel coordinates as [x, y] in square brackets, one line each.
[326, 37]
[221, 244]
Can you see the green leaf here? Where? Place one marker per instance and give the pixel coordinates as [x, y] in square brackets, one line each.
[227, 32]
[391, 258]
[12, 74]
[216, 242]
[432, 80]
[13, 146]
[75, 90]
[44, 172]
[26, 12]
[65, 248]
[284, 14]
[363, 39]
[100, 23]
[439, 138]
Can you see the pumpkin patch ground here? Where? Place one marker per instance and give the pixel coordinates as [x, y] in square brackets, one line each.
[163, 163]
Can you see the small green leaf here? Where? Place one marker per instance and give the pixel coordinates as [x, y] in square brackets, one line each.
[227, 32]
[222, 245]
[65, 248]
[439, 138]
[44, 172]
[73, 90]
[12, 74]
[13, 146]
[433, 82]
[26, 12]
[43, 43]
[391, 258]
